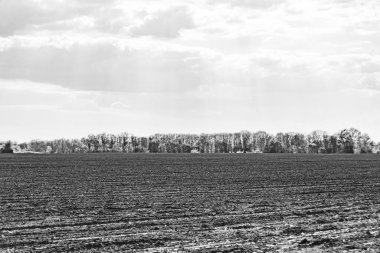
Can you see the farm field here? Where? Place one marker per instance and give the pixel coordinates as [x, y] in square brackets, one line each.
[189, 203]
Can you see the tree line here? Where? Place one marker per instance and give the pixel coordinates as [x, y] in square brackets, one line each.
[348, 140]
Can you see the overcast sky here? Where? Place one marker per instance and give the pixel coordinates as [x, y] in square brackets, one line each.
[73, 67]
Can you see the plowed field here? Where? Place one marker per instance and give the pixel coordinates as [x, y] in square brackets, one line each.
[189, 203]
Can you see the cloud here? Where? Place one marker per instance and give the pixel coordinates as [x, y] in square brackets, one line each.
[19, 15]
[370, 67]
[120, 106]
[371, 81]
[15, 15]
[249, 3]
[25, 16]
[151, 67]
[162, 59]
[102, 66]
[32, 95]
[164, 24]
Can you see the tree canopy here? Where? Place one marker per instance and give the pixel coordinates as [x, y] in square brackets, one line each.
[6, 148]
[349, 140]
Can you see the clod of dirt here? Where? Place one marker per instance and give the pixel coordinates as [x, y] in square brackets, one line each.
[293, 230]
[326, 241]
[351, 247]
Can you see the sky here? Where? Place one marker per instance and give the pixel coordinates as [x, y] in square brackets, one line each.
[69, 68]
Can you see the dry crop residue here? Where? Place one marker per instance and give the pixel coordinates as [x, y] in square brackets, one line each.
[189, 203]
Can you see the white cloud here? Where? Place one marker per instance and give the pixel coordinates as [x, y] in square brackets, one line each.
[249, 3]
[16, 15]
[162, 59]
[34, 95]
[371, 81]
[19, 16]
[164, 24]
[102, 66]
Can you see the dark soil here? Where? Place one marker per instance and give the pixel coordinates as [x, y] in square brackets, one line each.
[189, 203]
